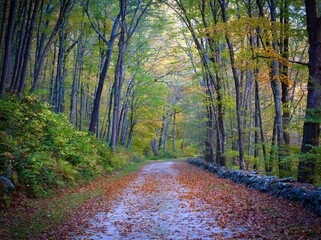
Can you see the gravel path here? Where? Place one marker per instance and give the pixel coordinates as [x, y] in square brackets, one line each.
[156, 206]
[175, 200]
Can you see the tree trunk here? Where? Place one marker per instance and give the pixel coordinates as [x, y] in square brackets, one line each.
[237, 84]
[154, 147]
[273, 153]
[52, 78]
[3, 24]
[174, 131]
[220, 121]
[23, 75]
[81, 106]
[258, 123]
[166, 135]
[62, 12]
[109, 113]
[41, 37]
[74, 86]
[8, 47]
[20, 50]
[131, 133]
[210, 126]
[118, 81]
[276, 88]
[124, 124]
[311, 128]
[60, 71]
[285, 82]
[160, 142]
[102, 76]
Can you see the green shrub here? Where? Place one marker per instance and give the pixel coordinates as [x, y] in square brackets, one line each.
[46, 151]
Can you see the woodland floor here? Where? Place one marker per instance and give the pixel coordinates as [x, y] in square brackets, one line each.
[176, 200]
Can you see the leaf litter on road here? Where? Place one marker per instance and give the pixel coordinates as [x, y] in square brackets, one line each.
[175, 200]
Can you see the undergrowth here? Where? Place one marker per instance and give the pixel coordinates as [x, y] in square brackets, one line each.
[40, 151]
[52, 213]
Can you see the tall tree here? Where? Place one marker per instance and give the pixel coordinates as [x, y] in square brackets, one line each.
[8, 47]
[110, 45]
[127, 30]
[27, 45]
[237, 83]
[63, 9]
[311, 128]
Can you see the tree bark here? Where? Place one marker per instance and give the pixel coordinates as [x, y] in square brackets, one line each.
[22, 47]
[61, 19]
[52, 78]
[8, 47]
[74, 86]
[23, 75]
[3, 24]
[174, 131]
[102, 76]
[60, 71]
[118, 81]
[276, 88]
[154, 148]
[237, 84]
[160, 142]
[311, 127]
[210, 125]
[285, 82]
[166, 135]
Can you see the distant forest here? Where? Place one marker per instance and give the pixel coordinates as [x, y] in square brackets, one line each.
[238, 82]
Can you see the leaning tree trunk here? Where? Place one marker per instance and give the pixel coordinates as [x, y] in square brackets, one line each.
[23, 75]
[311, 128]
[40, 61]
[8, 47]
[102, 76]
[20, 50]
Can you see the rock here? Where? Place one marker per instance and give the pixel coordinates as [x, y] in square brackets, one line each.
[289, 179]
[6, 183]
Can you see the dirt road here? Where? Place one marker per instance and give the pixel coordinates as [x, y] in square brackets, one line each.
[174, 200]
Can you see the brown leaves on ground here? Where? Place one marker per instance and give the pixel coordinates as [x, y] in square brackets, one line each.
[53, 218]
[261, 215]
[180, 201]
[176, 200]
[78, 218]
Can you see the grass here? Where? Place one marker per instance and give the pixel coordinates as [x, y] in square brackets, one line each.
[47, 213]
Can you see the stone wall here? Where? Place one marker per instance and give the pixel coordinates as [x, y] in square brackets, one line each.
[306, 194]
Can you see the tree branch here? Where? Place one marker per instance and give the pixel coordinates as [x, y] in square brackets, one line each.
[93, 25]
[291, 61]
